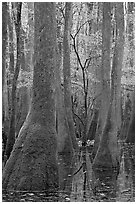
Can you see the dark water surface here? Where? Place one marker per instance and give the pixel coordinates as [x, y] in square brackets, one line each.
[109, 187]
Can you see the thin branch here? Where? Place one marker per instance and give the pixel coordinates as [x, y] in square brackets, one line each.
[78, 117]
[74, 45]
[78, 170]
[80, 28]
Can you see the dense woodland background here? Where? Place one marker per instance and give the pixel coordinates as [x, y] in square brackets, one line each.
[68, 71]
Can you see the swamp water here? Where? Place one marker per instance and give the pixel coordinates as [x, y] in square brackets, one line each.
[108, 188]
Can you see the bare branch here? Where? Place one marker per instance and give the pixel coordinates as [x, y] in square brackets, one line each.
[78, 117]
[62, 11]
[74, 45]
[80, 28]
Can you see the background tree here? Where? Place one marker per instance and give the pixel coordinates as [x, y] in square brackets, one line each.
[5, 115]
[66, 72]
[11, 135]
[108, 144]
[65, 142]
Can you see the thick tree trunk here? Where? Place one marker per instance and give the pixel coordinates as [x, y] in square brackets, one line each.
[67, 76]
[33, 161]
[11, 135]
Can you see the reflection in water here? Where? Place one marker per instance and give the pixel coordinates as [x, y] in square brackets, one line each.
[126, 178]
[107, 184]
[102, 185]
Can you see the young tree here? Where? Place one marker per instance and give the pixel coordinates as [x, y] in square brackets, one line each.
[33, 162]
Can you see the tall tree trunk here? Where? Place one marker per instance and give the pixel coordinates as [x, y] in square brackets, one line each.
[4, 40]
[65, 148]
[11, 135]
[33, 161]
[67, 75]
[107, 155]
[116, 84]
[105, 73]
[5, 113]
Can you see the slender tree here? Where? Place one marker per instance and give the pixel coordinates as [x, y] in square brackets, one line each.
[67, 75]
[5, 112]
[4, 39]
[65, 147]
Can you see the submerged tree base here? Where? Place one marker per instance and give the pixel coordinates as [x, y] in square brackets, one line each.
[33, 161]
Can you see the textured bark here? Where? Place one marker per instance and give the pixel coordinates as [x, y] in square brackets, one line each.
[11, 135]
[33, 161]
[67, 76]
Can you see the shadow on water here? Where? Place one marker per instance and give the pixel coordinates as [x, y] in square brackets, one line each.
[103, 185]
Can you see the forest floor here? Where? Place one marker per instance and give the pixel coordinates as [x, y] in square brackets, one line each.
[120, 190]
